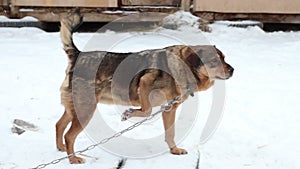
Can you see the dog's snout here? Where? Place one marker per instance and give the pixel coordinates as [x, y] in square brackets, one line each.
[230, 70]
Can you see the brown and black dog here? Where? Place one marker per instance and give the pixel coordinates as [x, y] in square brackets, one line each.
[205, 63]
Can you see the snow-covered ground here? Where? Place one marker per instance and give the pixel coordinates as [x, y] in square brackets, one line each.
[260, 125]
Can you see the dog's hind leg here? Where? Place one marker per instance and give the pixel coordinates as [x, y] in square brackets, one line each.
[60, 128]
[70, 137]
[79, 122]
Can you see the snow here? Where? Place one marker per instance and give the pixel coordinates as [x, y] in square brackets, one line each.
[25, 19]
[260, 125]
[245, 22]
[182, 18]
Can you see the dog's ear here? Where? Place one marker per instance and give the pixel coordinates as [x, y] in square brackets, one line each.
[192, 57]
[221, 55]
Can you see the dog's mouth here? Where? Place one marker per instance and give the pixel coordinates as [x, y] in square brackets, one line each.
[227, 75]
[224, 78]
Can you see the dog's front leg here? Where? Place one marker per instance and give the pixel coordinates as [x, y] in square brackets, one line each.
[169, 125]
[145, 87]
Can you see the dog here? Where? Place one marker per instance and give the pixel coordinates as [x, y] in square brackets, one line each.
[188, 68]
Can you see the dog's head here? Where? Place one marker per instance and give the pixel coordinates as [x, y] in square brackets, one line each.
[207, 61]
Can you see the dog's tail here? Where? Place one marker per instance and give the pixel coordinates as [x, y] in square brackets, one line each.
[69, 24]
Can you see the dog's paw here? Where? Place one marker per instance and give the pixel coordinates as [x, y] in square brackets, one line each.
[178, 151]
[62, 148]
[126, 115]
[76, 160]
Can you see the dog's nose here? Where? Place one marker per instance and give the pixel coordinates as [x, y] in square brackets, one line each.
[230, 70]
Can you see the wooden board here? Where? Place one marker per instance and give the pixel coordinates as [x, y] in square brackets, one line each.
[264, 18]
[248, 6]
[56, 16]
[65, 3]
[92, 16]
[4, 3]
[151, 3]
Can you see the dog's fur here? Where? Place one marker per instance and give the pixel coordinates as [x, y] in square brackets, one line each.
[206, 63]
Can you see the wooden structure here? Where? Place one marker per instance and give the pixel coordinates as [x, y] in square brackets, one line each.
[267, 11]
[93, 10]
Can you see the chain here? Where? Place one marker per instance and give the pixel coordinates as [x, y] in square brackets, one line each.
[164, 108]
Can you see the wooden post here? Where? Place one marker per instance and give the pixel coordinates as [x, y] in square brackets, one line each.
[185, 5]
[14, 11]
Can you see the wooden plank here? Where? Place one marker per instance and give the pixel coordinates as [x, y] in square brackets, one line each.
[90, 16]
[248, 6]
[4, 3]
[65, 3]
[151, 2]
[185, 5]
[264, 18]
[56, 17]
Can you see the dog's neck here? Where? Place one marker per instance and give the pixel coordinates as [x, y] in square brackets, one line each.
[204, 83]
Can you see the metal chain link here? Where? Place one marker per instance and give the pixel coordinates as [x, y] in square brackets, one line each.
[164, 108]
